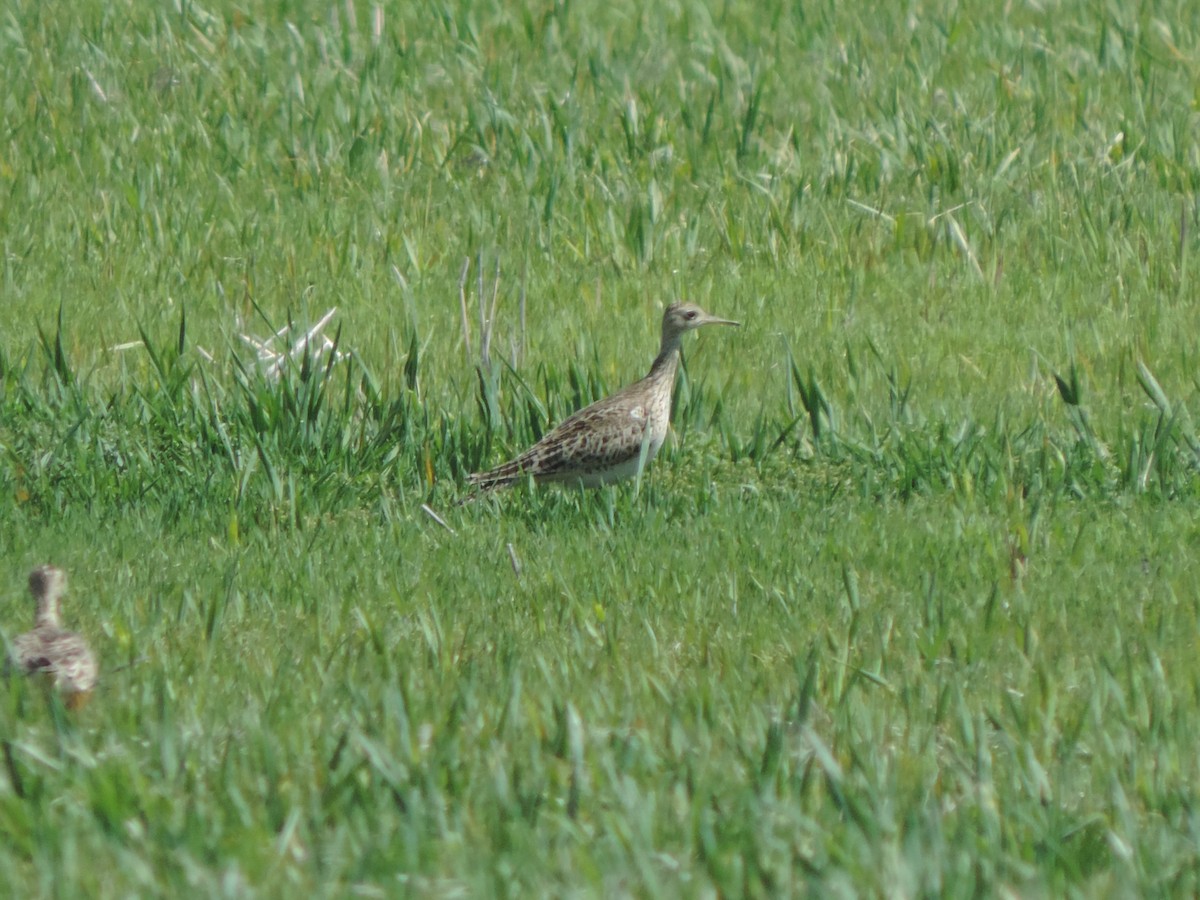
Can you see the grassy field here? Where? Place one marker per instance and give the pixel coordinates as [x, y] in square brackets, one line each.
[910, 604]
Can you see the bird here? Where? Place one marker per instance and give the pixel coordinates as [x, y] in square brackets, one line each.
[614, 438]
[50, 650]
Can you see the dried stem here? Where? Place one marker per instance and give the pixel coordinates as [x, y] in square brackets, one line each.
[462, 303]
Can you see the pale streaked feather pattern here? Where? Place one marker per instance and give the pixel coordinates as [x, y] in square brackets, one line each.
[608, 440]
[49, 649]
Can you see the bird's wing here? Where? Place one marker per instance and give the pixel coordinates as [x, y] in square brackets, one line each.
[29, 653]
[73, 664]
[606, 433]
[603, 434]
[63, 654]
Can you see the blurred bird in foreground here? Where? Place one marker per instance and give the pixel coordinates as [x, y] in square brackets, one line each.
[62, 657]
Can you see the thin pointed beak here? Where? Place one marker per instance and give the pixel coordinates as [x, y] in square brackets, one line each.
[713, 320]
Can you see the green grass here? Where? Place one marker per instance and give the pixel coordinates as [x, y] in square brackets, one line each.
[907, 607]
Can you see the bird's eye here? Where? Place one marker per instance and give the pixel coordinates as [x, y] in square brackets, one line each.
[691, 314]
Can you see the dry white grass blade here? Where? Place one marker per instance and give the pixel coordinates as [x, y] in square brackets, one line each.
[376, 24]
[1006, 162]
[878, 213]
[273, 360]
[96, 89]
[960, 238]
[428, 510]
[462, 305]
[487, 322]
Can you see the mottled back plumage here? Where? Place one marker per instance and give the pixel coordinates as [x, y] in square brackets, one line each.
[614, 437]
[61, 656]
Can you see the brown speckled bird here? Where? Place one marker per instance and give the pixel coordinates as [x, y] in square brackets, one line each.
[616, 437]
[62, 656]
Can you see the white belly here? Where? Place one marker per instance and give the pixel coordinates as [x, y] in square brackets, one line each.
[621, 471]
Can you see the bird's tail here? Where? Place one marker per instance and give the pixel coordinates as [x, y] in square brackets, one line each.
[482, 483]
[501, 476]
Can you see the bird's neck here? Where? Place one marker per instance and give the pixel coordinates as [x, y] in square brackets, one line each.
[47, 614]
[667, 361]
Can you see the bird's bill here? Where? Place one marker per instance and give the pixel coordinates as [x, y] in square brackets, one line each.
[713, 320]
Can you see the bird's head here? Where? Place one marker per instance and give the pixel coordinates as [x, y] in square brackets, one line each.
[47, 584]
[683, 317]
[47, 580]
